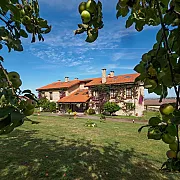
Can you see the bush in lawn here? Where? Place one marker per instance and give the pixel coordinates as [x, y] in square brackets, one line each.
[90, 111]
[111, 107]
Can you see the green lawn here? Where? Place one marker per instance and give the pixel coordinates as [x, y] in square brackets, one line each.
[59, 148]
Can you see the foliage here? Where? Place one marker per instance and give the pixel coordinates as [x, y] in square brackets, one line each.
[91, 15]
[159, 68]
[18, 18]
[46, 104]
[111, 107]
[90, 111]
[103, 95]
[69, 111]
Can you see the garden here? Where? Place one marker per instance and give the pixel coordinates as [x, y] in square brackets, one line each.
[61, 148]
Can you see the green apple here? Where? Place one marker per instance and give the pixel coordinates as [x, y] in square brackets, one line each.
[154, 121]
[16, 83]
[91, 6]
[28, 112]
[82, 7]
[171, 154]
[28, 8]
[30, 104]
[168, 139]
[13, 75]
[154, 133]
[166, 109]
[173, 146]
[22, 13]
[86, 16]
[26, 20]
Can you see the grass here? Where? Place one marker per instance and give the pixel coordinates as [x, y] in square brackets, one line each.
[59, 148]
[146, 116]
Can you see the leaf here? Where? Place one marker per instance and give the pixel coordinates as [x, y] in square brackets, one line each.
[17, 118]
[140, 129]
[27, 91]
[140, 67]
[23, 33]
[15, 11]
[1, 58]
[129, 22]
[171, 129]
[5, 111]
[30, 96]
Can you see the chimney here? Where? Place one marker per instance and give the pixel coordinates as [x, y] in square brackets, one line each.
[59, 80]
[75, 78]
[108, 75]
[66, 79]
[103, 75]
[112, 74]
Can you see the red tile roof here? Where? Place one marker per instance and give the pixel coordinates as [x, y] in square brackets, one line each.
[59, 85]
[126, 78]
[79, 96]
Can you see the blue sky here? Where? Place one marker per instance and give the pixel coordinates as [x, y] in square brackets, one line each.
[63, 54]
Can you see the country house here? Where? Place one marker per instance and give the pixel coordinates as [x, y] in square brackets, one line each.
[79, 95]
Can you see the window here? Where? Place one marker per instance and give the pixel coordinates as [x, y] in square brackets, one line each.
[51, 95]
[128, 93]
[112, 93]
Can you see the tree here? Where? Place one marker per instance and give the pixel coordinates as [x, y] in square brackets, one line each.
[18, 19]
[159, 68]
[46, 104]
[111, 107]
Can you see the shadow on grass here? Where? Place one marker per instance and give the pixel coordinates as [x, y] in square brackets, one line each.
[23, 156]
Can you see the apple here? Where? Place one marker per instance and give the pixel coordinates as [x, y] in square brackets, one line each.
[154, 134]
[26, 20]
[166, 109]
[168, 139]
[82, 7]
[173, 146]
[22, 12]
[86, 16]
[154, 121]
[91, 6]
[16, 83]
[171, 154]
[30, 104]
[28, 8]
[28, 112]
[13, 75]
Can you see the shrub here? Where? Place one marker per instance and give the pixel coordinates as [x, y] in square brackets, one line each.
[111, 107]
[90, 111]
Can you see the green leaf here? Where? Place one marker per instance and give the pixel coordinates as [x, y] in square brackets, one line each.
[17, 118]
[1, 58]
[15, 11]
[171, 129]
[118, 14]
[5, 111]
[129, 22]
[27, 91]
[124, 11]
[30, 96]
[140, 67]
[159, 36]
[23, 33]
